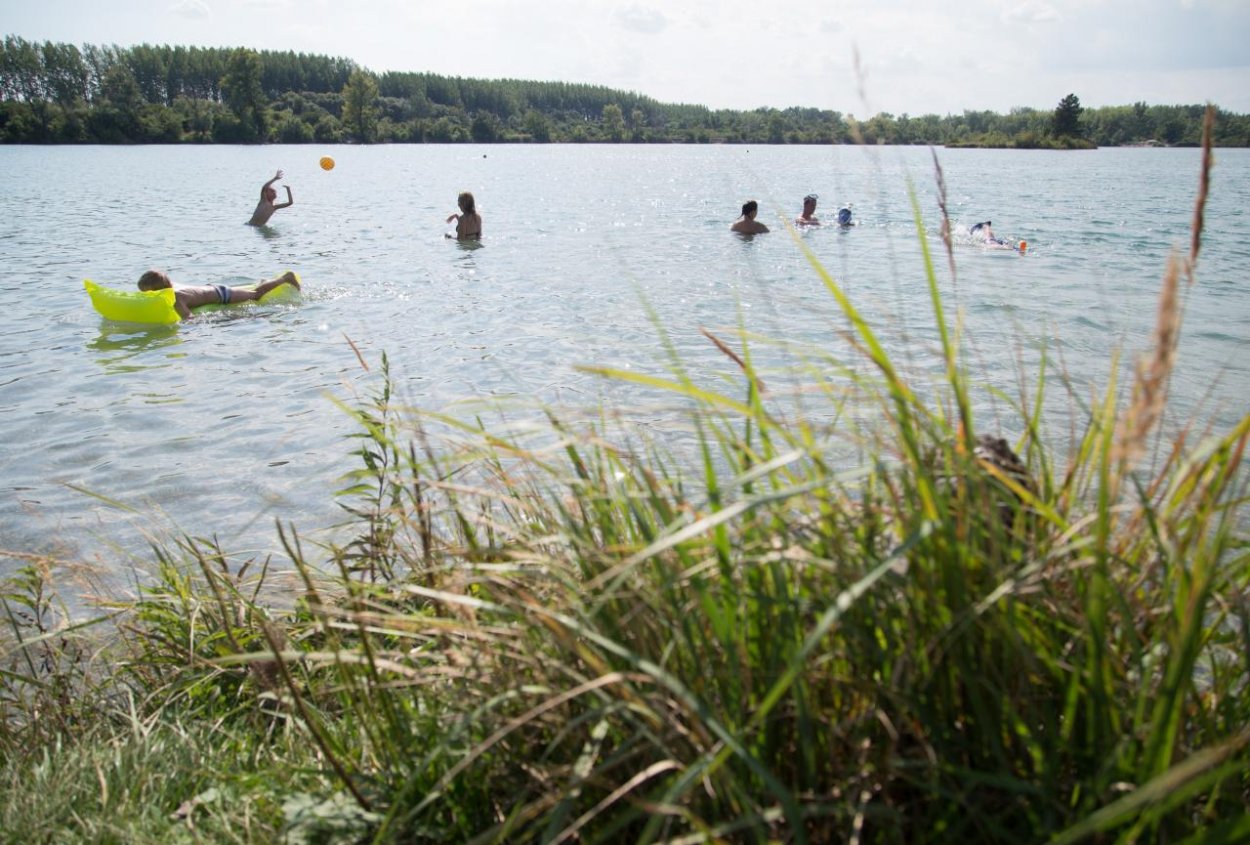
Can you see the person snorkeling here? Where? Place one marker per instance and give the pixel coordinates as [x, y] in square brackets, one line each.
[983, 231]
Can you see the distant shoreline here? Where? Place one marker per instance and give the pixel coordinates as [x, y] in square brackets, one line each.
[54, 93]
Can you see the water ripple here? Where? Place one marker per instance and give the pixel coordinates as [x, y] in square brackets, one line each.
[222, 424]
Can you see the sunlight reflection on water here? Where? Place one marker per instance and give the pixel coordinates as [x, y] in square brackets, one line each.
[226, 423]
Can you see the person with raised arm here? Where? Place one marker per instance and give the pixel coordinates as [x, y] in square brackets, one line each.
[266, 207]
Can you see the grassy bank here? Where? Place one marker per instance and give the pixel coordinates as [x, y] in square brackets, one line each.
[566, 632]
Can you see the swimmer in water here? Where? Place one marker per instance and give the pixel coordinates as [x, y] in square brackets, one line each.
[746, 224]
[468, 221]
[984, 232]
[188, 298]
[808, 216]
[266, 207]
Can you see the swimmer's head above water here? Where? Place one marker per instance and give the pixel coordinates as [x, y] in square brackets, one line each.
[154, 280]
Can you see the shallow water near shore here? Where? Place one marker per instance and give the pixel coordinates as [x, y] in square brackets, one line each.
[225, 423]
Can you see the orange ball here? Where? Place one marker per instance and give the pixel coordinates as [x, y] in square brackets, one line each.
[327, 163]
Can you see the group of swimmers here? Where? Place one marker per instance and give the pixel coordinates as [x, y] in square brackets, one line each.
[469, 222]
[468, 228]
[746, 223]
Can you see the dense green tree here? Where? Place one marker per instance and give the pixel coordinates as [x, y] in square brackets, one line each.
[360, 111]
[245, 96]
[485, 128]
[538, 126]
[776, 128]
[22, 74]
[116, 118]
[16, 121]
[98, 61]
[614, 122]
[196, 116]
[328, 130]
[637, 125]
[446, 131]
[120, 89]
[150, 69]
[289, 129]
[1066, 121]
[66, 74]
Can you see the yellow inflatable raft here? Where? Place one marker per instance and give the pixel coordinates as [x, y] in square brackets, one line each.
[157, 306]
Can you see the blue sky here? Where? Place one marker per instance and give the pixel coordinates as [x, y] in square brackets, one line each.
[855, 56]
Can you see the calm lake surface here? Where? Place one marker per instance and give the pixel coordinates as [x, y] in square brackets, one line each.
[225, 423]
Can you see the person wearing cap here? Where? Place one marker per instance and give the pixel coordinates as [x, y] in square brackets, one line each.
[808, 216]
[844, 216]
[746, 224]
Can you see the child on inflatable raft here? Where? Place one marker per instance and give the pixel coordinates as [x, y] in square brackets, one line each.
[187, 298]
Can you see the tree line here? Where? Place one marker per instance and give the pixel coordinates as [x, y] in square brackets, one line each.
[55, 93]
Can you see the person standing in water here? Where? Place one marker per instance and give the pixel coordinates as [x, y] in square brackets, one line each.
[266, 207]
[808, 216]
[468, 221]
[746, 223]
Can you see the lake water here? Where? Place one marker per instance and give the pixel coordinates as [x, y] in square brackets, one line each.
[226, 422]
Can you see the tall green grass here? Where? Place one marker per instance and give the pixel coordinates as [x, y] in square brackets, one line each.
[564, 633]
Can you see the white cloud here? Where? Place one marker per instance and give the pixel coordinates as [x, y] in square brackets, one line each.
[641, 19]
[195, 10]
[1032, 11]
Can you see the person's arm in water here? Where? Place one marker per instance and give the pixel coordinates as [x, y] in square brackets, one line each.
[290, 201]
[181, 307]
